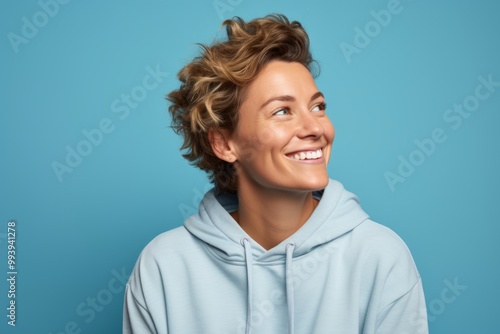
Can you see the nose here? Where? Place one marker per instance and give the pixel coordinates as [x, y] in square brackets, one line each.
[309, 125]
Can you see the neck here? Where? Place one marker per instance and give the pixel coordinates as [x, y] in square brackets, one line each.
[269, 217]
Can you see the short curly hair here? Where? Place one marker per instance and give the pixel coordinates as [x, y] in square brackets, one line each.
[213, 85]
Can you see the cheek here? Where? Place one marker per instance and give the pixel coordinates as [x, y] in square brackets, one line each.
[265, 138]
[329, 134]
[329, 130]
[250, 141]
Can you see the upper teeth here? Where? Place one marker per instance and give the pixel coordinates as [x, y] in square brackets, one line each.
[308, 155]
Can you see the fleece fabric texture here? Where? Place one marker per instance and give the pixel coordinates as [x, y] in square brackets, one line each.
[339, 273]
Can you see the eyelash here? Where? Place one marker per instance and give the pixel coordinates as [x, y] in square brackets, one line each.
[285, 109]
[321, 105]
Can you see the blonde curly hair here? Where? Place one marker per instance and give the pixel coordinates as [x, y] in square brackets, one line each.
[213, 85]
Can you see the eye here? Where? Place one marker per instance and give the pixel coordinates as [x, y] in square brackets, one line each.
[319, 107]
[282, 112]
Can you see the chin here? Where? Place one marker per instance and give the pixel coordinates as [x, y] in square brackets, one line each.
[321, 185]
[316, 183]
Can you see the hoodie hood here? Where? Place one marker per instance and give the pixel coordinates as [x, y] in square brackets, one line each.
[337, 213]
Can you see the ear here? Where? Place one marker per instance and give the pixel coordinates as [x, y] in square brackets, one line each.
[219, 140]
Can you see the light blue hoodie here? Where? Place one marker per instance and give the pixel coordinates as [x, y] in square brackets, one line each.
[339, 273]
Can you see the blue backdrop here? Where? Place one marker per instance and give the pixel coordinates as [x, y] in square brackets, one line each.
[90, 171]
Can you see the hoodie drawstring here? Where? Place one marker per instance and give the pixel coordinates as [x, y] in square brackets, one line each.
[288, 281]
[289, 287]
[249, 265]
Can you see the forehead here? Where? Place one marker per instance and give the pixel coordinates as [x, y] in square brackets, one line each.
[281, 78]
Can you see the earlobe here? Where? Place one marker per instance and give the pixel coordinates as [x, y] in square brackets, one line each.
[220, 145]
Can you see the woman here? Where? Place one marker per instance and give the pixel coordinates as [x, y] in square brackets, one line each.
[277, 246]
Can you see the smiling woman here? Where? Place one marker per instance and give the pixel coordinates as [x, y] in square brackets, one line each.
[277, 246]
[283, 119]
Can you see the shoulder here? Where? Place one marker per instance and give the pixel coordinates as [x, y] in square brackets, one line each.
[148, 276]
[169, 249]
[164, 251]
[381, 244]
[172, 241]
[379, 236]
[385, 258]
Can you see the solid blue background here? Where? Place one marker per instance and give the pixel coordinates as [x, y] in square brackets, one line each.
[388, 86]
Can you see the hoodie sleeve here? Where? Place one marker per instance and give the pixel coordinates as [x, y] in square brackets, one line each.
[144, 308]
[396, 289]
[401, 305]
[136, 318]
[405, 315]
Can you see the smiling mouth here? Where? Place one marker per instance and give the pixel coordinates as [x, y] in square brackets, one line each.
[306, 155]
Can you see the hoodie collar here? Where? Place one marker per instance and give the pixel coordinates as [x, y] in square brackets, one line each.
[337, 213]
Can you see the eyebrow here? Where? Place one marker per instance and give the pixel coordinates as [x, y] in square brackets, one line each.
[289, 98]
